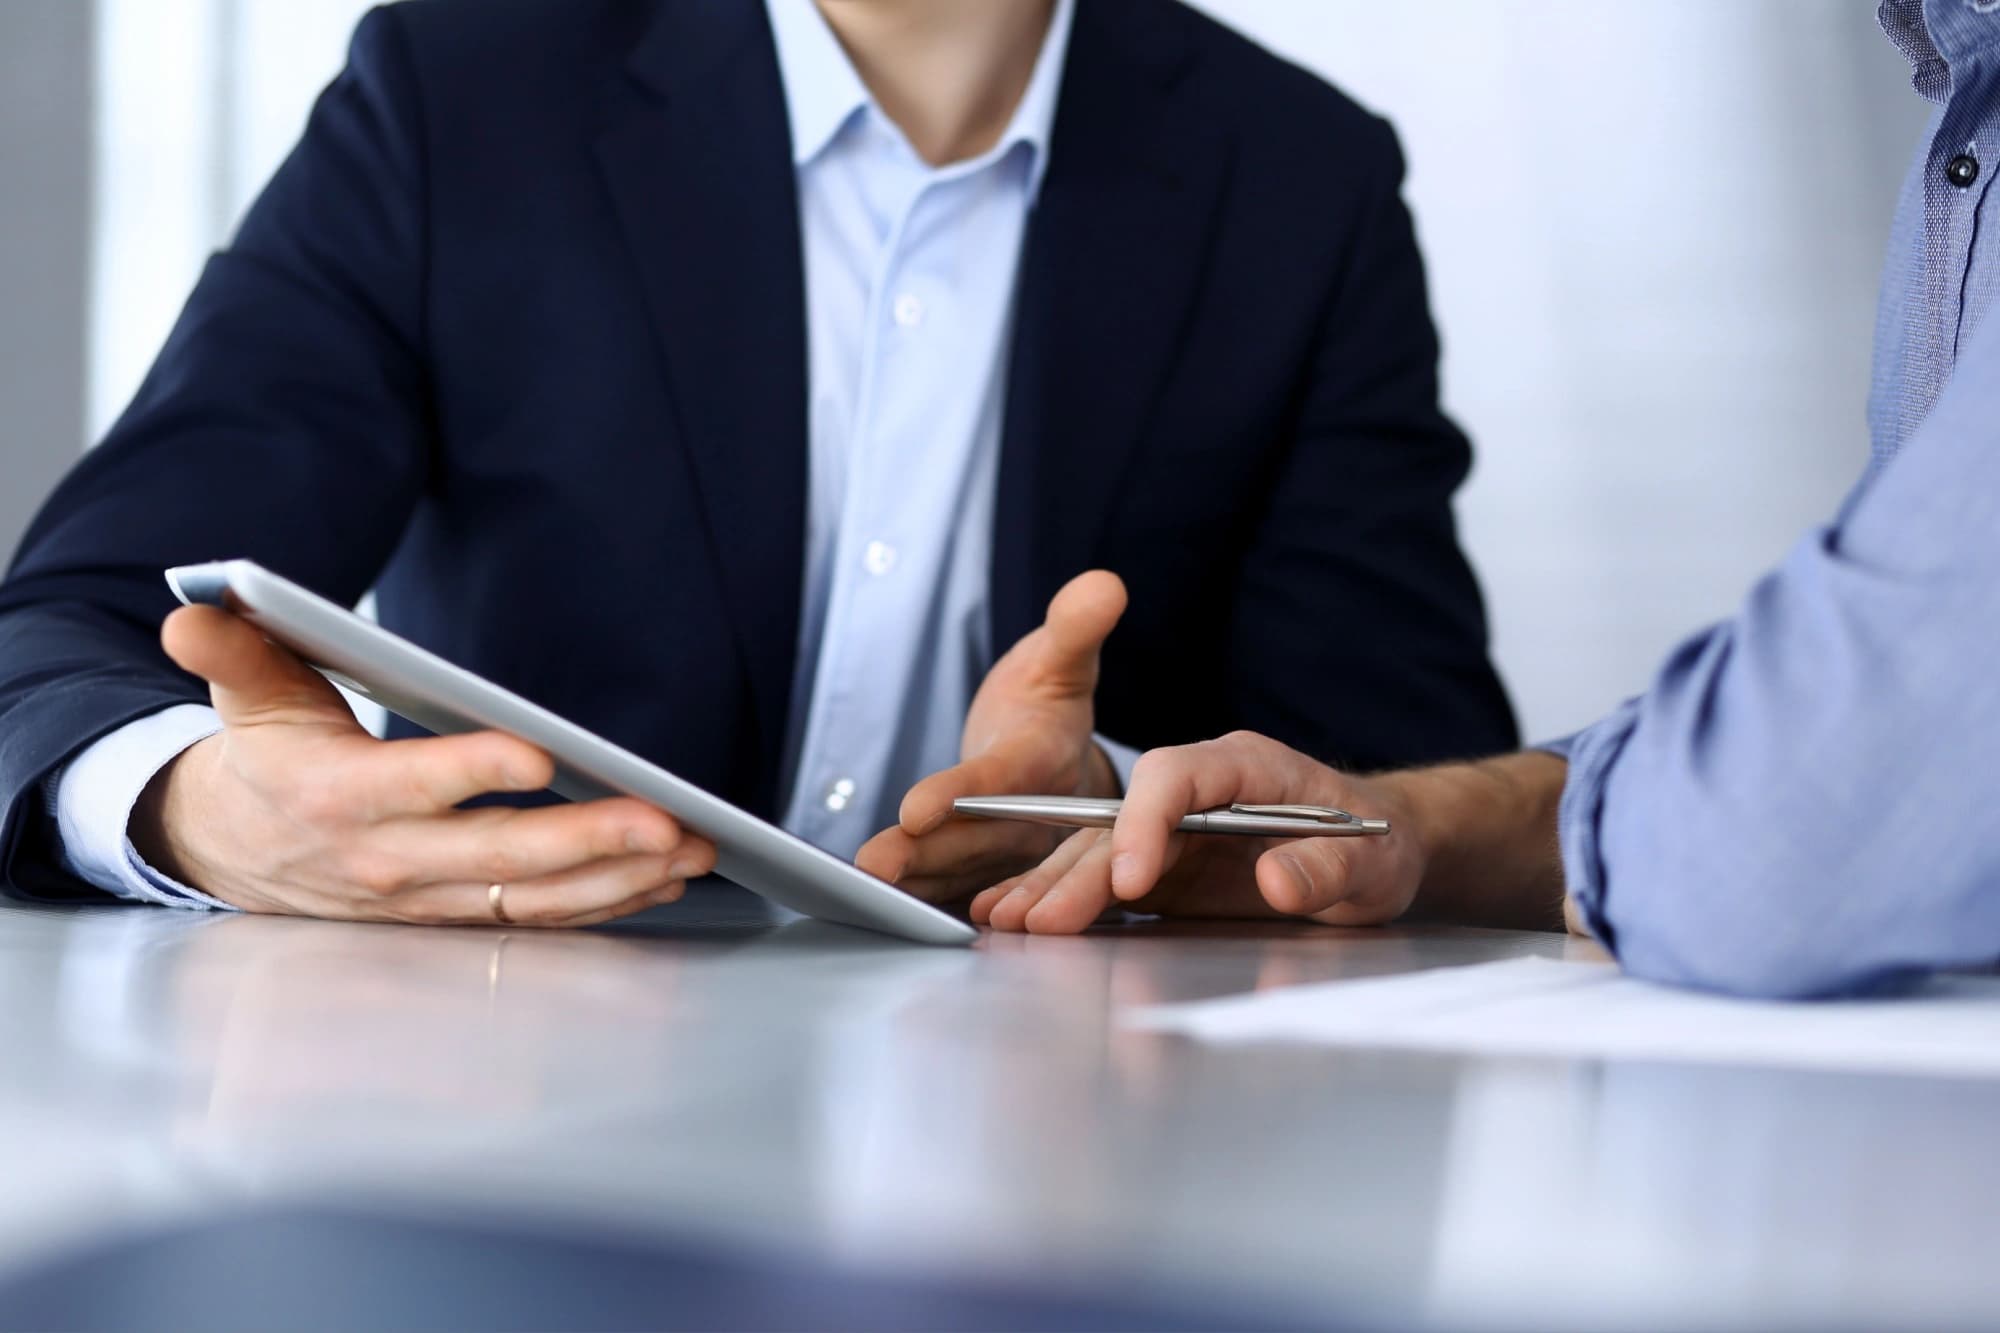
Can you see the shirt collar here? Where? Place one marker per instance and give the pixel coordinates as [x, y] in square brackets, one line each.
[1938, 36]
[823, 92]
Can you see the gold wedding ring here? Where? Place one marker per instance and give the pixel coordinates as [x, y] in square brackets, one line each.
[496, 898]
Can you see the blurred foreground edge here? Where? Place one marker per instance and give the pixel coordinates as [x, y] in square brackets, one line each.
[323, 1268]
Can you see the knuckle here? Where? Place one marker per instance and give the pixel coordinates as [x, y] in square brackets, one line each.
[600, 829]
[649, 873]
[608, 834]
[374, 875]
[639, 827]
[360, 784]
[1153, 766]
[1176, 761]
[399, 793]
[692, 861]
[500, 860]
[517, 763]
[1244, 742]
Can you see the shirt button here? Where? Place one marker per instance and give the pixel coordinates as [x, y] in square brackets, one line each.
[909, 311]
[879, 558]
[1962, 170]
[839, 794]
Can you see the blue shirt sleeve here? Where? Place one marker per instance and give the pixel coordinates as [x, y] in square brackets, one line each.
[1803, 802]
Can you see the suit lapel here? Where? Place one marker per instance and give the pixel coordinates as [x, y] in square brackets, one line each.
[696, 154]
[1113, 259]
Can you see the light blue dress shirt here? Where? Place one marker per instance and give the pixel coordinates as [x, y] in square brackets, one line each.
[910, 277]
[1804, 802]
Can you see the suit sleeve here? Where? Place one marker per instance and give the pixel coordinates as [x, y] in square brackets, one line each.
[285, 420]
[1358, 623]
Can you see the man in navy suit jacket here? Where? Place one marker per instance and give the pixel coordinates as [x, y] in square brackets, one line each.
[595, 335]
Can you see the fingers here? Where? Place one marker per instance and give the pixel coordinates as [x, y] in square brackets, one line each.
[1061, 896]
[1028, 728]
[250, 678]
[967, 846]
[301, 810]
[954, 861]
[1025, 890]
[1169, 784]
[599, 892]
[928, 804]
[1341, 881]
[1306, 877]
[1074, 902]
[1080, 617]
[437, 773]
[511, 846]
[886, 855]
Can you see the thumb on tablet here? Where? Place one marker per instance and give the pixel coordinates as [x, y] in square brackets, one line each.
[251, 679]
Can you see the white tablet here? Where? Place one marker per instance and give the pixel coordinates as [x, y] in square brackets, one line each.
[436, 695]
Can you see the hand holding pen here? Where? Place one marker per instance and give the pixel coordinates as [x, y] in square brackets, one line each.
[1308, 857]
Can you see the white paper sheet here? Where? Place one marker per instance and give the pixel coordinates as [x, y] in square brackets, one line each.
[1541, 1007]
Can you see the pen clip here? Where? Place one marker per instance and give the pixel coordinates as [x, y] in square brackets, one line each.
[1320, 814]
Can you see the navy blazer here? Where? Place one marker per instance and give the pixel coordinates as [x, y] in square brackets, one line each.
[516, 336]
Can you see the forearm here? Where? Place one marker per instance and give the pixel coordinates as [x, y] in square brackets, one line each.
[1488, 834]
[1800, 804]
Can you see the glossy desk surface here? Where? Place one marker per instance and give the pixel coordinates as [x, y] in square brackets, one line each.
[715, 1070]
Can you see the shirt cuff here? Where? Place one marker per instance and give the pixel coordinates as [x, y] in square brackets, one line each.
[1123, 758]
[94, 796]
[1591, 754]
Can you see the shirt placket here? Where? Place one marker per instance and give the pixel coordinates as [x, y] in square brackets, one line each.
[1958, 172]
[1970, 172]
[854, 719]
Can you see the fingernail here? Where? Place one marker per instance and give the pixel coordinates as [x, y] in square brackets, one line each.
[639, 840]
[686, 868]
[1124, 871]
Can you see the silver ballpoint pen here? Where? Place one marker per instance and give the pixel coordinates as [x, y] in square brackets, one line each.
[1262, 821]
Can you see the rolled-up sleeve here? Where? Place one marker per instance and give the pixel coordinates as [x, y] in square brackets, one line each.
[1590, 754]
[1804, 801]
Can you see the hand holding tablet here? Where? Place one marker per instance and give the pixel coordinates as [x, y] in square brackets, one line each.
[293, 808]
[446, 699]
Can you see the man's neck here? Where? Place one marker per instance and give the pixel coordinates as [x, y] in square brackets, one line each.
[948, 72]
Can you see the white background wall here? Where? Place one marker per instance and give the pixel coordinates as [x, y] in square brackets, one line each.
[198, 101]
[45, 67]
[1654, 233]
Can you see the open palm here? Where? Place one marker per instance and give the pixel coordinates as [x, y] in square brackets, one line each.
[1029, 730]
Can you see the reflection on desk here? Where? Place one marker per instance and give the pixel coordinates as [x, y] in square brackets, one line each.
[780, 1082]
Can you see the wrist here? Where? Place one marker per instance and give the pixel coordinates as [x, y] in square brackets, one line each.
[160, 810]
[1485, 839]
